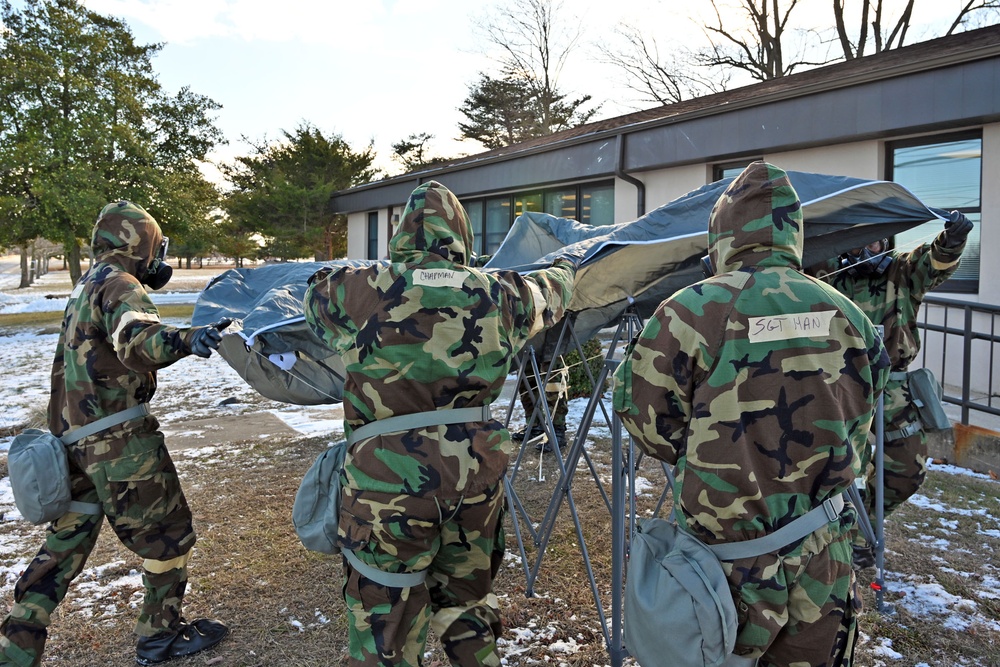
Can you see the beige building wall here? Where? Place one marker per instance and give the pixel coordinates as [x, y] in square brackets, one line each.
[662, 186]
[863, 159]
[357, 235]
[666, 185]
[357, 232]
[860, 159]
[989, 229]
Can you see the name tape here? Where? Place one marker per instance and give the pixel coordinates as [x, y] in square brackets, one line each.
[792, 325]
[439, 278]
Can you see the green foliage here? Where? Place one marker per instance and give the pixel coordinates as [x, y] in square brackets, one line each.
[496, 112]
[412, 152]
[282, 190]
[236, 242]
[579, 383]
[516, 108]
[83, 121]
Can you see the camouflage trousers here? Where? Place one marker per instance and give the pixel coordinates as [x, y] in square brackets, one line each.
[556, 394]
[905, 466]
[799, 609]
[459, 542]
[134, 480]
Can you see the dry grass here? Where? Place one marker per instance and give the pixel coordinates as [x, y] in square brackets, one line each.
[964, 567]
[49, 321]
[248, 570]
[283, 602]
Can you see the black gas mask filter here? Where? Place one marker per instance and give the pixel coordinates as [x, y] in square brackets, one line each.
[867, 263]
[158, 272]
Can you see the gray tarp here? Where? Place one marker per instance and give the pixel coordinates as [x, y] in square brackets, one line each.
[636, 263]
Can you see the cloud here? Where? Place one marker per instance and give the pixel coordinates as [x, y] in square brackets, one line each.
[186, 21]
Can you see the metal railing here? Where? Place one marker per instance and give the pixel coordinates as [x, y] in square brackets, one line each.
[964, 334]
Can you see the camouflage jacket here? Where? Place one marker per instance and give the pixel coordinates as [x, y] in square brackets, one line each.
[893, 299]
[759, 384]
[112, 341]
[429, 332]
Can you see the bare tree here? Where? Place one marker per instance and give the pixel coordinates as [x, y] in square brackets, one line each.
[662, 79]
[874, 16]
[534, 45]
[975, 14]
[757, 46]
[759, 40]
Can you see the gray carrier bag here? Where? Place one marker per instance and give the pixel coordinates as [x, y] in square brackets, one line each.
[39, 469]
[927, 393]
[39, 477]
[316, 511]
[316, 515]
[676, 592]
[679, 609]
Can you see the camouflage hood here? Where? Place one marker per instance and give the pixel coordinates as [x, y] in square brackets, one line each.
[127, 236]
[435, 227]
[757, 222]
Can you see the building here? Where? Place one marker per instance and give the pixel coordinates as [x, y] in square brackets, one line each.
[926, 116]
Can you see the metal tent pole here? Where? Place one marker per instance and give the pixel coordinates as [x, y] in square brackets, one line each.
[623, 477]
[879, 545]
[620, 469]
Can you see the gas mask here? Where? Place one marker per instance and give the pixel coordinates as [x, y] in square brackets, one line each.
[867, 262]
[158, 272]
[706, 266]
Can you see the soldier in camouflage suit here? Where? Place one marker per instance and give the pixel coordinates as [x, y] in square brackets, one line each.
[889, 287]
[111, 345]
[428, 332]
[759, 384]
[556, 393]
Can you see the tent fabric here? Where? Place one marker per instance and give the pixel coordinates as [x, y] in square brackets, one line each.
[632, 264]
[269, 343]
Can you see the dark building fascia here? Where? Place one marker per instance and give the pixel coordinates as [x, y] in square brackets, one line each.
[941, 84]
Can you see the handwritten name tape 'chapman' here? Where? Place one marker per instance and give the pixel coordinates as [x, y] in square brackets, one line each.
[770, 328]
[438, 278]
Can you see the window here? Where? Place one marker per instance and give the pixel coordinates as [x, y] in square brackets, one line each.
[528, 202]
[730, 169]
[944, 173]
[498, 222]
[475, 211]
[561, 203]
[373, 235]
[592, 204]
[598, 205]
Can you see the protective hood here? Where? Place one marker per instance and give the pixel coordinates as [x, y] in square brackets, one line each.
[757, 222]
[434, 227]
[127, 236]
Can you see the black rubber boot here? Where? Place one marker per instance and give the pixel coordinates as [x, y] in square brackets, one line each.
[188, 639]
[518, 436]
[546, 446]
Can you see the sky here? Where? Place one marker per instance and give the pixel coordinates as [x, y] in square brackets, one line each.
[377, 71]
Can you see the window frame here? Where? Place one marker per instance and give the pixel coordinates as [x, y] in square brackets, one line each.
[952, 285]
[514, 202]
[718, 170]
[371, 244]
